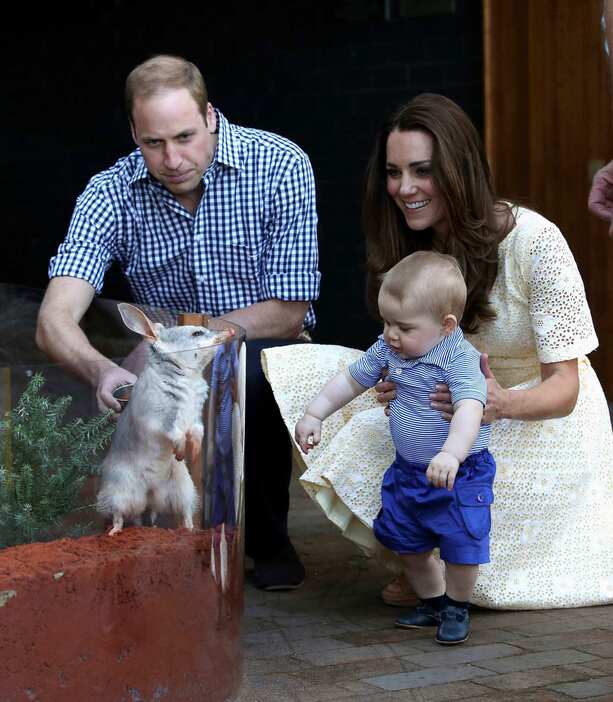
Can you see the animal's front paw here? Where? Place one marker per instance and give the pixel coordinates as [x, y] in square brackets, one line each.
[180, 449]
[193, 446]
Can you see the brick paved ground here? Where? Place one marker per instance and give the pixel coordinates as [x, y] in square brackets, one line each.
[333, 640]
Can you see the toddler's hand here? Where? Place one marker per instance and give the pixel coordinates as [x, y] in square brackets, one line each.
[442, 470]
[308, 432]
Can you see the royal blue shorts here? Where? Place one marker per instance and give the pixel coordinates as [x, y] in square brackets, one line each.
[416, 517]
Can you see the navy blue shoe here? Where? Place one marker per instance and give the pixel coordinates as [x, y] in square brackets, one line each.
[454, 627]
[419, 618]
[284, 571]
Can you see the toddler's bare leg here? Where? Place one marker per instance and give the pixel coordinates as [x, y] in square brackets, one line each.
[461, 581]
[424, 573]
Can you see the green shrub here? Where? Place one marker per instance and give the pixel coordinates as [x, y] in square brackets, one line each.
[44, 464]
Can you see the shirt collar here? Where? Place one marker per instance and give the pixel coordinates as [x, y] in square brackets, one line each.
[228, 149]
[140, 172]
[437, 356]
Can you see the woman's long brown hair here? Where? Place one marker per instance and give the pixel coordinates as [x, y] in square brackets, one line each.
[462, 175]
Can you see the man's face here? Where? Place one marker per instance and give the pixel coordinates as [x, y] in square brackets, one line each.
[175, 142]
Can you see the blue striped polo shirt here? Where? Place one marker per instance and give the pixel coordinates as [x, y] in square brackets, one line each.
[419, 431]
[252, 238]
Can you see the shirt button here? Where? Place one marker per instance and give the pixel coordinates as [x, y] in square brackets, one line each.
[198, 237]
[480, 498]
[398, 371]
[201, 278]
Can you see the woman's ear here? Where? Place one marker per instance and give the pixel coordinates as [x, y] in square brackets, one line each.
[450, 324]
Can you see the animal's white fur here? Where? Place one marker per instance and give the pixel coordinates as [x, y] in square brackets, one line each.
[140, 470]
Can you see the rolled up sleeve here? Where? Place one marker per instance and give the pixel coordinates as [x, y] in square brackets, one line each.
[290, 264]
[89, 246]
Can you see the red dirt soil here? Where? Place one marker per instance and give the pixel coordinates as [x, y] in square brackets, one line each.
[137, 617]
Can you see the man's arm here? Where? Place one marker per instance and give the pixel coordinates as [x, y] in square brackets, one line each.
[600, 199]
[271, 319]
[289, 279]
[59, 335]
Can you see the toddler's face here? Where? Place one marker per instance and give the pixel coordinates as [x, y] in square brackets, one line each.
[410, 332]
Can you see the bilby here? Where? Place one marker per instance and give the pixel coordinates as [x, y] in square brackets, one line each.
[145, 466]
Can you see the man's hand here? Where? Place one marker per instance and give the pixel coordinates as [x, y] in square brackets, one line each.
[600, 199]
[308, 432]
[442, 470]
[108, 381]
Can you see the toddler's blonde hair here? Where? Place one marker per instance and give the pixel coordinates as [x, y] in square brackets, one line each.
[430, 281]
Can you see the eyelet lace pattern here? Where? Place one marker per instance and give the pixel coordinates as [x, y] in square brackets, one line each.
[552, 520]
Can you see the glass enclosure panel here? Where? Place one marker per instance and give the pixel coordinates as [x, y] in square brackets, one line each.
[150, 612]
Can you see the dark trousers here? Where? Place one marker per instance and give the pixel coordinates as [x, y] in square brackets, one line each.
[268, 461]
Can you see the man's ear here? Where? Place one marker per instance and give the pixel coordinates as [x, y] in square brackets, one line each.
[133, 132]
[211, 118]
[450, 324]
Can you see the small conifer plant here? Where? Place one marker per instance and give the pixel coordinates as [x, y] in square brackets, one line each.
[44, 463]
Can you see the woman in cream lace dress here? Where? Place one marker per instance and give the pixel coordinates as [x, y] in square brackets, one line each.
[552, 520]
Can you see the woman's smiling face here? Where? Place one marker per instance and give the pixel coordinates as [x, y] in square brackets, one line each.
[409, 180]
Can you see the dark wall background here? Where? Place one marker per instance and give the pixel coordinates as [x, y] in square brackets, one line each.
[323, 74]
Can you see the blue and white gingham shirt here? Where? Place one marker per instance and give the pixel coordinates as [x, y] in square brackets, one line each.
[419, 431]
[252, 238]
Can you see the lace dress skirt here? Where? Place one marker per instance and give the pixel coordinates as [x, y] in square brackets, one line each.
[552, 520]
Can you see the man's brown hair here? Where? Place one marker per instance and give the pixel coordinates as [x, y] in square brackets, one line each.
[163, 72]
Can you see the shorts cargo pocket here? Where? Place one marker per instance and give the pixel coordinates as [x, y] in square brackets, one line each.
[474, 502]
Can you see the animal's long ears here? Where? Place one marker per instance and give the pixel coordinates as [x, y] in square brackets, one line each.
[138, 322]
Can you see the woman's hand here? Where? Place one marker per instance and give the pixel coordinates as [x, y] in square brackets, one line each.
[441, 401]
[386, 391]
[497, 396]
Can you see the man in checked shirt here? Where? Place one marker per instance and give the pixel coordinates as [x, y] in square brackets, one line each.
[204, 216]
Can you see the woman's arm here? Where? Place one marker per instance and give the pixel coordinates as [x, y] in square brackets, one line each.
[555, 396]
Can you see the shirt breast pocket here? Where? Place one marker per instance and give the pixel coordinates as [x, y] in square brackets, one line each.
[240, 254]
